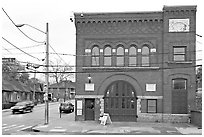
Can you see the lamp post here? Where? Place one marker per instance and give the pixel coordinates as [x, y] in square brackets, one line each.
[47, 68]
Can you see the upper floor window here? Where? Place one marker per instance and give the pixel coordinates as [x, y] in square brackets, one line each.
[133, 56]
[120, 56]
[145, 56]
[95, 56]
[179, 53]
[107, 56]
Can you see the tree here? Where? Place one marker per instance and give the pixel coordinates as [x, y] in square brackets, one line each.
[60, 72]
[11, 71]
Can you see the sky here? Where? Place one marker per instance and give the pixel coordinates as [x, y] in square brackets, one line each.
[62, 36]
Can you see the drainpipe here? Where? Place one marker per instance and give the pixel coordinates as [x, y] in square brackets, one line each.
[163, 66]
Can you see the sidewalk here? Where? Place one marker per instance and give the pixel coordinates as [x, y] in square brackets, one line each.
[62, 125]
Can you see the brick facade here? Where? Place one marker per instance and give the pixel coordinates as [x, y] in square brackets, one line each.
[141, 29]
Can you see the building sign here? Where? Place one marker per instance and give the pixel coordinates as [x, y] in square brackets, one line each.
[89, 87]
[79, 107]
[150, 87]
[79, 104]
[79, 112]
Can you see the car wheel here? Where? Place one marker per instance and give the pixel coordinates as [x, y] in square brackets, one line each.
[31, 110]
[23, 111]
[13, 112]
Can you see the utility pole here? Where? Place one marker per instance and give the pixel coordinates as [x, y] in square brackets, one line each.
[47, 77]
[34, 87]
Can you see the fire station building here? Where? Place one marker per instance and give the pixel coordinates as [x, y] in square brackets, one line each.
[136, 66]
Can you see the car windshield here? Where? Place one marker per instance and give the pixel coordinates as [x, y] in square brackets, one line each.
[65, 103]
[21, 104]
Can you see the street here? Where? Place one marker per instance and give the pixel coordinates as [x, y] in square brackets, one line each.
[18, 124]
[32, 123]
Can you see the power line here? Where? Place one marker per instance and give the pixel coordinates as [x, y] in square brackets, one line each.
[27, 47]
[20, 29]
[107, 71]
[159, 63]
[19, 49]
[7, 50]
[65, 54]
[57, 54]
[23, 53]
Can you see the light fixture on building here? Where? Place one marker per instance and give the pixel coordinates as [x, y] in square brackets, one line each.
[89, 78]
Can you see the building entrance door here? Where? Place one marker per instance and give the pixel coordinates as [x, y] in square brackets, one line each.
[89, 109]
[179, 96]
[120, 101]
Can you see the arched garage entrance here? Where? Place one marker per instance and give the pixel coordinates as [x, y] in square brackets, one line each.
[120, 101]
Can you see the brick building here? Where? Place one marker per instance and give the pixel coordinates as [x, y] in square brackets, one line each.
[137, 66]
[62, 91]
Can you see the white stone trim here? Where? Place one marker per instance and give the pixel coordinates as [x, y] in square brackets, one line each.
[139, 50]
[101, 50]
[153, 50]
[89, 96]
[138, 106]
[126, 50]
[150, 97]
[113, 50]
[120, 67]
[101, 106]
[87, 50]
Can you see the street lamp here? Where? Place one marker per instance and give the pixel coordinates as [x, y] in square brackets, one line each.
[21, 25]
[47, 68]
[89, 78]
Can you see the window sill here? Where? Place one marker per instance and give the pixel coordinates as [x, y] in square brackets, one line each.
[119, 68]
[180, 62]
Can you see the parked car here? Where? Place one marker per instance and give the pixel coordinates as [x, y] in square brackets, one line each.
[23, 106]
[66, 107]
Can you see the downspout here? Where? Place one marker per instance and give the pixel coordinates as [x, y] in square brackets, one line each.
[162, 69]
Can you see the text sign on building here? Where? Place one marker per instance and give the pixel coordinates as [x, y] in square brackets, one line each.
[89, 87]
[79, 107]
[150, 87]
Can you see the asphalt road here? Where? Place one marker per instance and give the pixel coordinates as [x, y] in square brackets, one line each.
[18, 124]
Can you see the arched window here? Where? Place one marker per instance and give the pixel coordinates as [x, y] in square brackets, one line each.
[132, 56]
[107, 56]
[145, 56]
[95, 56]
[120, 56]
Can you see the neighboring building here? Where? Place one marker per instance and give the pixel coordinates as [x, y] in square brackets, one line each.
[136, 66]
[65, 90]
[14, 91]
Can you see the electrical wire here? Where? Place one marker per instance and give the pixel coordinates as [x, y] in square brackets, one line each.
[7, 50]
[27, 47]
[124, 55]
[151, 64]
[19, 48]
[105, 71]
[57, 54]
[23, 53]
[20, 29]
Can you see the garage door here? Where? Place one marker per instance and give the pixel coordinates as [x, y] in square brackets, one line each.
[120, 101]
